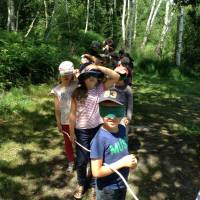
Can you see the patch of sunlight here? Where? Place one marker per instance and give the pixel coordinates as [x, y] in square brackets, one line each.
[142, 168]
[171, 96]
[144, 90]
[10, 152]
[152, 161]
[158, 196]
[177, 127]
[156, 176]
[41, 90]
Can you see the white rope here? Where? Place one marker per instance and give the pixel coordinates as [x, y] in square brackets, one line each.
[116, 171]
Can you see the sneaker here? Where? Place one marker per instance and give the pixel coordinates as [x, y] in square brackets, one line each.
[70, 168]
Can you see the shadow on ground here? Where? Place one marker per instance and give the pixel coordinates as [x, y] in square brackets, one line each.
[169, 148]
[33, 163]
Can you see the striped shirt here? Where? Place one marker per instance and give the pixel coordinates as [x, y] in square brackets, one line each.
[87, 114]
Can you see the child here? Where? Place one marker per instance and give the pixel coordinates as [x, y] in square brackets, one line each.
[125, 91]
[62, 102]
[85, 119]
[110, 146]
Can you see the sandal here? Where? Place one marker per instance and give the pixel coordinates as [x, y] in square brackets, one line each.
[93, 194]
[78, 194]
[70, 168]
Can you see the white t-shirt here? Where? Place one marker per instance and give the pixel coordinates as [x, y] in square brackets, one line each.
[64, 96]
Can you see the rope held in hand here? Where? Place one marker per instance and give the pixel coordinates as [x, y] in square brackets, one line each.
[116, 171]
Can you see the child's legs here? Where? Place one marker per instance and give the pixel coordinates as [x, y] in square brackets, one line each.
[111, 194]
[83, 138]
[68, 144]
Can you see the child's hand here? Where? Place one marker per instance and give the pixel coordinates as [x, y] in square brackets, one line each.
[72, 138]
[76, 73]
[59, 128]
[130, 161]
[126, 121]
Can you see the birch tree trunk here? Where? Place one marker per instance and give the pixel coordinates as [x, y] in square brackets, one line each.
[17, 15]
[46, 14]
[167, 22]
[123, 23]
[93, 15]
[179, 43]
[131, 25]
[135, 21]
[87, 17]
[31, 26]
[114, 4]
[11, 16]
[48, 29]
[153, 13]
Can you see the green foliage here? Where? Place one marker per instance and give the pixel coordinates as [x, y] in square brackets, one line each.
[23, 61]
[191, 49]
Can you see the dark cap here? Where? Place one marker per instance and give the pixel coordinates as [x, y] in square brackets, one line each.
[95, 44]
[125, 61]
[86, 73]
[111, 95]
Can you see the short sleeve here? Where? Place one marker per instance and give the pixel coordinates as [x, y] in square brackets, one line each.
[97, 147]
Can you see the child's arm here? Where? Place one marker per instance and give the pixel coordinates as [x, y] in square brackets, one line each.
[129, 111]
[57, 112]
[113, 76]
[99, 170]
[72, 119]
[130, 103]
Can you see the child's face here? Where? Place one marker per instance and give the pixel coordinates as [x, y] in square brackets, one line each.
[111, 113]
[112, 123]
[66, 77]
[120, 83]
[90, 82]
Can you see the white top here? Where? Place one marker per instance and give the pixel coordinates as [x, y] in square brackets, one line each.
[64, 96]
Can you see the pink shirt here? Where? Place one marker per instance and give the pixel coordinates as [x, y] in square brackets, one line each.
[87, 115]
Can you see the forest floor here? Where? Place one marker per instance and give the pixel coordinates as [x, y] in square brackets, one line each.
[165, 134]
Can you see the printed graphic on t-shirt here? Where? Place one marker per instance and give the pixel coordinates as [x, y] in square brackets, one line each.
[118, 147]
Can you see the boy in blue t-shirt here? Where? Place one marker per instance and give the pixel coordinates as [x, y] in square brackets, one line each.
[110, 146]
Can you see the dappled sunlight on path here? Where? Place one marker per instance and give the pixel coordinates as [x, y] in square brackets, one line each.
[163, 134]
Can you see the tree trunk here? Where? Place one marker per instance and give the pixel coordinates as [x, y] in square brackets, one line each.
[131, 26]
[179, 42]
[87, 17]
[167, 21]
[46, 14]
[153, 13]
[93, 15]
[135, 21]
[123, 24]
[31, 26]
[11, 16]
[48, 29]
[114, 4]
[17, 15]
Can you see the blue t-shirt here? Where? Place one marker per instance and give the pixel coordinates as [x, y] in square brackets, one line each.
[110, 147]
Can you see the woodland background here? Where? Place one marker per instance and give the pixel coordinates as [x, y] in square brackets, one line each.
[162, 36]
[36, 35]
